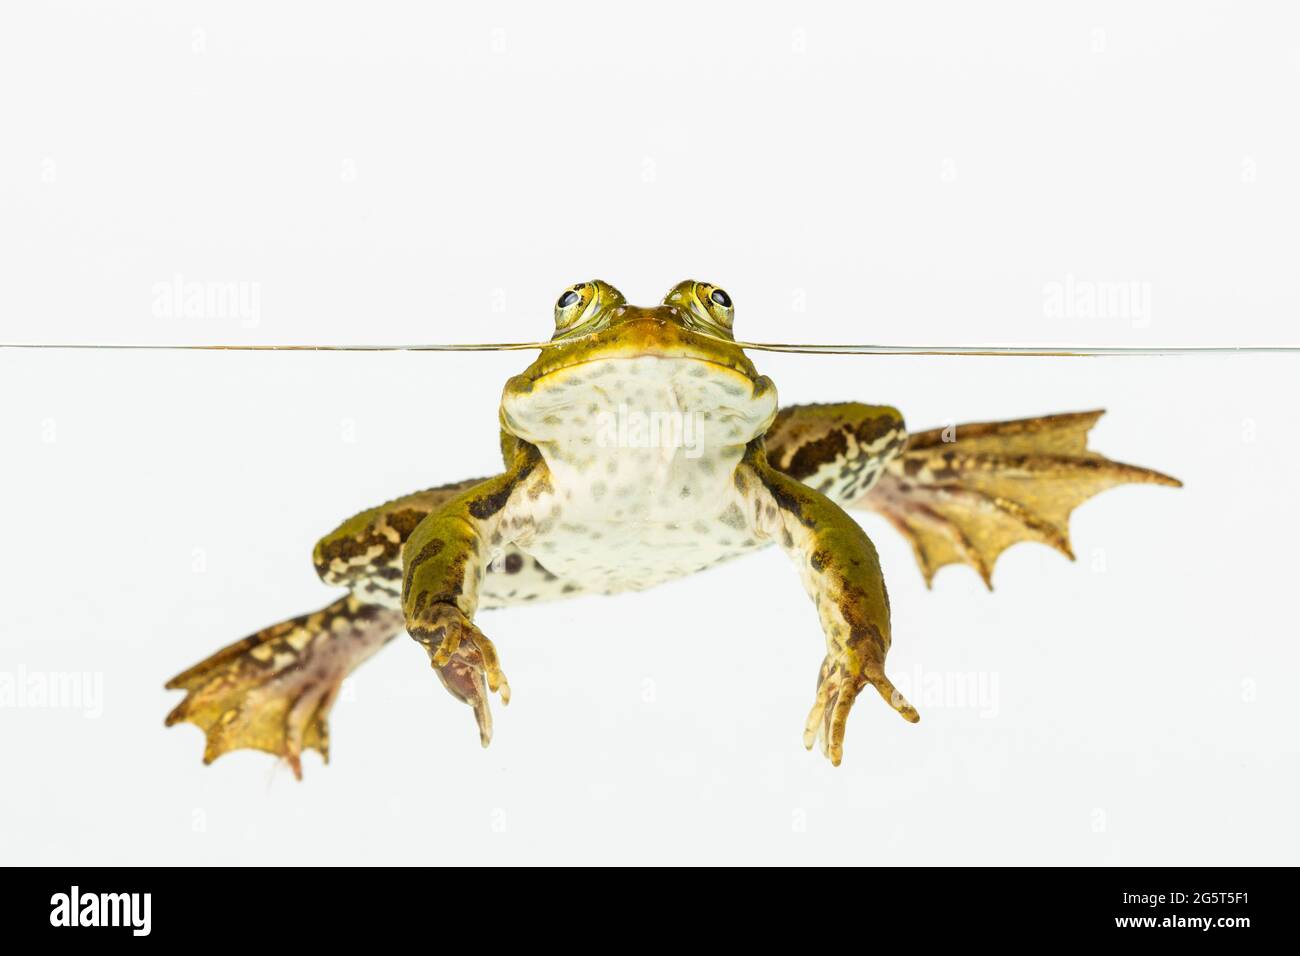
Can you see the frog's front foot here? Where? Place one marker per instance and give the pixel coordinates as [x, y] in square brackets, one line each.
[465, 660]
[838, 684]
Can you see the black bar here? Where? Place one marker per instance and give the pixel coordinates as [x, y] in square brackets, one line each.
[918, 906]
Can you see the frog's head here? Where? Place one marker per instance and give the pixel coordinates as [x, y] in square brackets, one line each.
[603, 347]
[594, 321]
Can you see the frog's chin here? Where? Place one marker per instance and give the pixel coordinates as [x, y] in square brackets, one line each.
[581, 404]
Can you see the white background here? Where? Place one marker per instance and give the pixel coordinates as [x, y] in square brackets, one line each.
[909, 173]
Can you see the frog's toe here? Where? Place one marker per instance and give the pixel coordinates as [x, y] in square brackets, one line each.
[464, 681]
[813, 725]
[894, 698]
[470, 674]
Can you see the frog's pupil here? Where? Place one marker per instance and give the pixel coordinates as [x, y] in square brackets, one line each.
[568, 299]
[721, 298]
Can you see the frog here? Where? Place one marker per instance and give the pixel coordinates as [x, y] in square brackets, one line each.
[643, 446]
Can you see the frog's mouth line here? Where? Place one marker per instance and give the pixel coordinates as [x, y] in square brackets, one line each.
[566, 340]
[642, 337]
[632, 356]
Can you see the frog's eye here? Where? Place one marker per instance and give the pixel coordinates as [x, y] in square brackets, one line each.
[585, 305]
[572, 304]
[716, 303]
[707, 307]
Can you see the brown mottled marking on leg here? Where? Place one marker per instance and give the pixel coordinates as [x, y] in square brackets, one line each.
[781, 494]
[373, 539]
[813, 454]
[494, 499]
[839, 449]
[430, 549]
[404, 520]
[876, 427]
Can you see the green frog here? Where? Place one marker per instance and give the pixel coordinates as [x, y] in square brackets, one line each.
[642, 446]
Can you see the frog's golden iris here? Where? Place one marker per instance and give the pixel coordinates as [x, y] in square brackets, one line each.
[573, 513]
[581, 307]
[706, 304]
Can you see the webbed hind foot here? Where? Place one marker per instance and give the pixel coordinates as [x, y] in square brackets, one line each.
[965, 494]
[273, 690]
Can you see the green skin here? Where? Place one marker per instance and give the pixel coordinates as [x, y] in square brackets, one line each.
[572, 515]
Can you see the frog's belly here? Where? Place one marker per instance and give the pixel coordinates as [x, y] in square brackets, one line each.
[641, 455]
[608, 556]
[631, 518]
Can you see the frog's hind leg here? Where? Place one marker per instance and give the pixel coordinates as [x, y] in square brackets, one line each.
[839, 449]
[273, 690]
[964, 494]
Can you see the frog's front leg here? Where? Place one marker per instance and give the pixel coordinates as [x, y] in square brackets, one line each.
[839, 568]
[444, 561]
